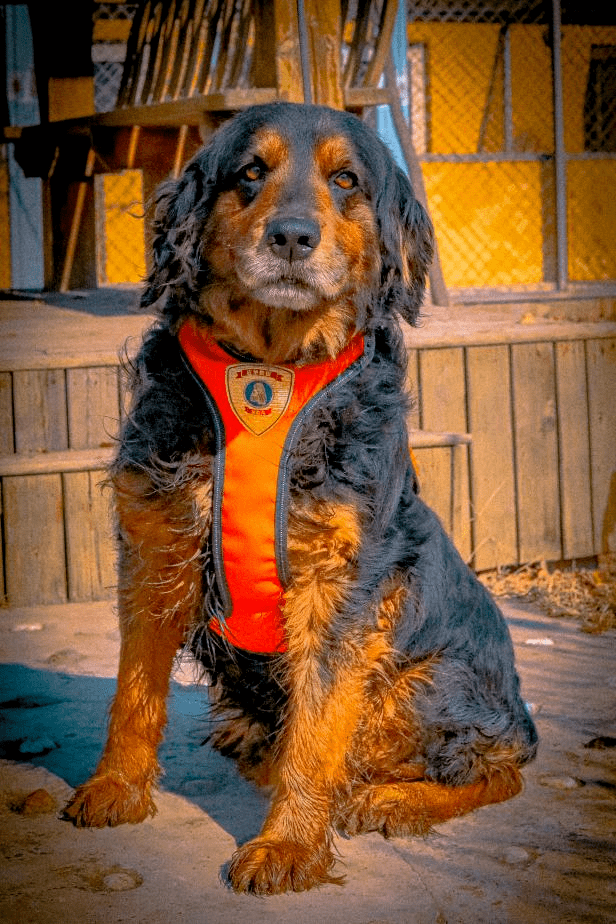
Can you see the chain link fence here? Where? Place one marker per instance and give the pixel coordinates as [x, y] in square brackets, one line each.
[482, 81]
[120, 254]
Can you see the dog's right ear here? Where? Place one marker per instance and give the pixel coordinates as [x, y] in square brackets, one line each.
[181, 211]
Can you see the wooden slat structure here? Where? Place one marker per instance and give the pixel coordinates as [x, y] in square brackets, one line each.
[536, 480]
[191, 64]
[541, 470]
[59, 426]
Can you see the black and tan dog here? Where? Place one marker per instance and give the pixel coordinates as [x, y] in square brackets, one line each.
[268, 515]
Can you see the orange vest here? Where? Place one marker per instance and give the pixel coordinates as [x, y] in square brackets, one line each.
[257, 409]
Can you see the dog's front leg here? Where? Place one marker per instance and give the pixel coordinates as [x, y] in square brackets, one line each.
[326, 678]
[159, 590]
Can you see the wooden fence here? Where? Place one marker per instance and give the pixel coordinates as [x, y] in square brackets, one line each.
[538, 480]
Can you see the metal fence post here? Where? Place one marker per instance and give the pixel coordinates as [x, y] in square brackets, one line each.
[560, 155]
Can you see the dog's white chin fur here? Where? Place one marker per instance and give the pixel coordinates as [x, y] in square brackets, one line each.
[293, 296]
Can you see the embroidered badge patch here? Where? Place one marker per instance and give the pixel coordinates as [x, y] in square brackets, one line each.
[259, 395]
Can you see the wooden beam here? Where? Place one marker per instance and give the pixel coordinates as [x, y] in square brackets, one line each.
[323, 20]
[287, 52]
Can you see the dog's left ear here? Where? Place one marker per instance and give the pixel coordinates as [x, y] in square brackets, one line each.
[407, 245]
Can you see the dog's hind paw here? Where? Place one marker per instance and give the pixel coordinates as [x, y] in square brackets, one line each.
[269, 867]
[109, 800]
[385, 809]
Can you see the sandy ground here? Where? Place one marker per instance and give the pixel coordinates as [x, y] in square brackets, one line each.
[547, 856]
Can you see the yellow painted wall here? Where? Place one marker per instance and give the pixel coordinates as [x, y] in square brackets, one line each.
[531, 89]
[488, 222]
[494, 220]
[591, 210]
[122, 252]
[459, 65]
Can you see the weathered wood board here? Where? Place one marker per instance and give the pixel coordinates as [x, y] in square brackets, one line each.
[39, 402]
[35, 554]
[492, 472]
[7, 443]
[90, 550]
[574, 450]
[601, 365]
[536, 451]
[540, 481]
[93, 398]
[443, 407]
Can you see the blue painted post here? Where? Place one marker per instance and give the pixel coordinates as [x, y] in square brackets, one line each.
[25, 196]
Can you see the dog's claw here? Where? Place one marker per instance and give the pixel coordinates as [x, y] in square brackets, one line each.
[269, 867]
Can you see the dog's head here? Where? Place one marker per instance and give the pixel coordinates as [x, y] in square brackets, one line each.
[288, 232]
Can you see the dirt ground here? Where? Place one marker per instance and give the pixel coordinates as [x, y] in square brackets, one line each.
[547, 856]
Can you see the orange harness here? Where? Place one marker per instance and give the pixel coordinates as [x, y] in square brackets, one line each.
[257, 409]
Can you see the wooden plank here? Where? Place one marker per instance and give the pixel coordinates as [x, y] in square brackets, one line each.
[436, 470]
[601, 364]
[289, 81]
[536, 451]
[7, 441]
[325, 29]
[574, 451]
[492, 473]
[358, 97]
[93, 406]
[412, 384]
[3, 590]
[431, 439]
[439, 330]
[48, 463]
[89, 547]
[383, 45]
[443, 407]
[34, 531]
[39, 400]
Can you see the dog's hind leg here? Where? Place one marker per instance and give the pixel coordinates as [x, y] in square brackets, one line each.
[403, 808]
[159, 591]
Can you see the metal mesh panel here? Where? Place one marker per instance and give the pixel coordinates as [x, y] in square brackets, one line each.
[589, 100]
[107, 77]
[119, 219]
[482, 115]
[119, 197]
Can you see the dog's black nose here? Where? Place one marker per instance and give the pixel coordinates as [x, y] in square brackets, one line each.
[293, 238]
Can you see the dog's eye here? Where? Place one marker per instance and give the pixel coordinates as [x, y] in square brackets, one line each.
[345, 179]
[252, 172]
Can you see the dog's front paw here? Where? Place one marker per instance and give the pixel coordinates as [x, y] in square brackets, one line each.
[268, 867]
[109, 800]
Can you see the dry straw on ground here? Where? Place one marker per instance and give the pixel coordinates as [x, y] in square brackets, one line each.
[588, 595]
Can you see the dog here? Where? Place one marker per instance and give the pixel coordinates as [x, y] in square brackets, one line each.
[269, 517]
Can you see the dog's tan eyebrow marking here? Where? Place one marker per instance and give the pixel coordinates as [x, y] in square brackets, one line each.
[270, 147]
[334, 153]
